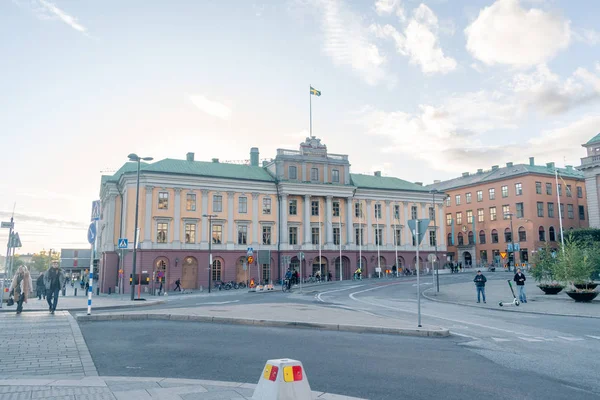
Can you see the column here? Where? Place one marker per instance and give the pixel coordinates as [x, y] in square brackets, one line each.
[110, 222]
[177, 216]
[230, 223]
[441, 222]
[205, 210]
[326, 173]
[307, 230]
[283, 213]
[255, 220]
[407, 235]
[329, 221]
[389, 239]
[147, 217]
[304, 177]
[349, 233]
[370, 241]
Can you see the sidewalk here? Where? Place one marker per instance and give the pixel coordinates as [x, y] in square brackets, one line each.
[277, 315]
[498, 290]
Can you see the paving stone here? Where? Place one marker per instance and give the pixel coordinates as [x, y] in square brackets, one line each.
[219, 395]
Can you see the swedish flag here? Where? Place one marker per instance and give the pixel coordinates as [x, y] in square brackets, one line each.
[314, 91]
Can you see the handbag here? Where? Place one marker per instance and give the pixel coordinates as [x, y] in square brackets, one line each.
[10, 301]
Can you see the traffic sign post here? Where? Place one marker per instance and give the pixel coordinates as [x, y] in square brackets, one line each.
[418, 227]
[95, 210]
[503, 254]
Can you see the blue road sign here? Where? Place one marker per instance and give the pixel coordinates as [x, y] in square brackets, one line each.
[123, 243]
[95, 210]
[250, 251]
[92, 233]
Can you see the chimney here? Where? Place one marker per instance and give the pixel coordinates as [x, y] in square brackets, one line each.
[254, 157]
[215, 160]
[494, 168]
[569, 167]
[264, 163]
[465, 174]
[509, 164]
[437, 181]
[419, 183]
[531, 161]
[377, 173]
[189, 156]
[480, 171]
[550, 165]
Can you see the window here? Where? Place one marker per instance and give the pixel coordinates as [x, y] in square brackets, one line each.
[552, 234]
[163, 200]
[538, 188]
[190, 233]
[520, 212]
[457, 199]
[448, 201]
[217, 203]
[492, 213]
[494, 236]
[432, 238]
[335, 176]
[559, 189]
[581, 213]
[524, 255]
[242, 234]
[431, 213]
[504, 191]
[336, 208]
[448, 219]
[162, 232]
[461, 240]
[293, 207]
[358, 210]
[266, 235]
[518, 189]
[315, 208]
[481, 237]
[315, 235]
[542, 234]
[378, 236]
[243, 205]
[550, 210]
[266, 205]
[266, 273]
[396, 211]
[507, 235]
[190, 202]
[480, 195]
[522, 234]
[217, 234]
[413, 212]
[216, 270]
[468, 198]
[506, 212]
[358, 236]
[450, 240]
[471, 238]
[292, 172]
[540, 209]
[492, 193]
[562, 210]
[549, 188]
[480, 215]
[569, 193]
[570, 211]
[378, 211]
[483, 256]
[314, 174]
[336, 236]
[469, 216]
[398, 236]
[293, 233]
[579, 192]
[458, 218]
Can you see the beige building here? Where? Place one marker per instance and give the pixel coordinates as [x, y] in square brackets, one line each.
[590, 166]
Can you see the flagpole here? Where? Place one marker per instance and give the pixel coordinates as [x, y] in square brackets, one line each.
[340, 239]
[310, 108]
[360, 236]
[320, 262]
[562, 237]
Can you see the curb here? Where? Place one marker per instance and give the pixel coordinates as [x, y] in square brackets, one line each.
[106, 308]
[272, 323]
[505, 309]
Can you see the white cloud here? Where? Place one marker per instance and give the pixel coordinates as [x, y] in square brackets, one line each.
[588, 36]
[506, 33]
[210, 107]
[63, 16]
[387, 7]
[419, 41]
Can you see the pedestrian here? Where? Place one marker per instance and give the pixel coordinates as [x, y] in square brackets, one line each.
[21, 286]
[288, 278]
[480, 281]
[329, 276]
[54, 280]
[520, 280]
[40, 287]
[177, 285]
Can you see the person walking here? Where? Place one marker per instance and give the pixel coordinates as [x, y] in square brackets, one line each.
[480, 281]
[520, 280]
[177, 285]
[21, 286]
[54, 280]
[40, 287]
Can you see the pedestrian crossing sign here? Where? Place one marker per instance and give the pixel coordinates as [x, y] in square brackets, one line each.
[123, 243]
[503, 254]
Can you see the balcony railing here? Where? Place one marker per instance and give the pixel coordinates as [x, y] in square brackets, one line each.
[590, 160]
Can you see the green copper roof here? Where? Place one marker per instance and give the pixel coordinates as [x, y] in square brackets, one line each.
[384, 182]
[595, 139]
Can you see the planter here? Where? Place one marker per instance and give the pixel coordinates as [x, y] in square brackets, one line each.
[582, 296]
[551, 289]
[589, 285]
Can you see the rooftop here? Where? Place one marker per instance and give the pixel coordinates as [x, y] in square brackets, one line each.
[384, 182]
[595, 139]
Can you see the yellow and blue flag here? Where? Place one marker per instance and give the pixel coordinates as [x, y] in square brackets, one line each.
[314, 91]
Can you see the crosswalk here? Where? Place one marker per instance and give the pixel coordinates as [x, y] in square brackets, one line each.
[539, 339]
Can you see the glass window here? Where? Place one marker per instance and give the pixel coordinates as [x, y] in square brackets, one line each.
[468, 198]
[494, 236]
[480, 215]
[493, 213]
[562, 210]
[431, 213]
[579, 192]
[458, 218]
[522, 234]
[542, 234]
[461, 240]
[457, 199]
[378, 211]
[448, 201]
[492, 193]
[550, 210]
[540, 209]
[163, 200]
[398, 236]
[396, 211]
[432, 241]
[569, 193]
[293, 235]
[480, 195]
[336, 236]
[162, 232]
[559, 189]
[581, 213]
[315, 235]
[335, 176]
[314, 174]
[217, 203]
[552, 234]
[483, 256]
[216, 270]
[507, 235]
[448, 219]
[518, 189]
[413, 212]
[336, 208]
[538, 187]
[266, 235]
[470, 237]
[504, 191]
[190, 233]
[358, 236]
[243, 205]
[266, 273]
[292, 172]
[481, 237]
[315, 208]
[217, 234]
[520, 212]
[570, 211]
[293, 207]
[378, 236]
[548, 188]
[506, 211]
[266, 205]
[358, 210]
[190, 202]
[469, 216]
[242, 234]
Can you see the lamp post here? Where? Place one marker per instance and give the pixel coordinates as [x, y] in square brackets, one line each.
[437, 274]
[135, 158]
[210, 217]
[512, 240]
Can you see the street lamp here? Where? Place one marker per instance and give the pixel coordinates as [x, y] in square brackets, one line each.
[135, 158]
[512, 240]
[437, 273]
[210, 217]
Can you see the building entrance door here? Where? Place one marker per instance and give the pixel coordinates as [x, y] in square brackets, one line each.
[189, 277]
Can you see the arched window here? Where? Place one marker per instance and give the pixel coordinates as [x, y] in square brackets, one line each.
[482, 237]
[449, 242]
[216, 270]
[552, 234]
[507, 235]
[542, 234]
[494, 236]
[471, 238]
[522, 234]
[460, 239]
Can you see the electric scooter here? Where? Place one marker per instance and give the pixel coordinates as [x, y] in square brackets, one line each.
[515, 301]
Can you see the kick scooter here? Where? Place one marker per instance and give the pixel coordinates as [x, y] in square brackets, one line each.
[515, 301]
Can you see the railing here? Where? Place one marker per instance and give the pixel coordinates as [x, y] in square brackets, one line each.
[285, 152]
[590, 160]
[341, 157]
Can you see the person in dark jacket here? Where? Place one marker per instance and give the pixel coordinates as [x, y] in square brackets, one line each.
[520, 280]
[40, 286]
[480, 281]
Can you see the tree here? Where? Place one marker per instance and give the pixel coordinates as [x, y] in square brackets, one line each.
[574, 263]
[543, 263]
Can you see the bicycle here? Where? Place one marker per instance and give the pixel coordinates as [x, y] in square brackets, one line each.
[285, 287]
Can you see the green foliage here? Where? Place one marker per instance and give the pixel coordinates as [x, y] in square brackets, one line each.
[585, 236]
[574, 263]
[543, 262]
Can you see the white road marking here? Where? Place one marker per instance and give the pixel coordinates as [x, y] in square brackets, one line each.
[467, 336]
[337, 290]
[571, 339]
[426, 283]
[501, 339]
[593, 337]
[217, 303]
[530, 339]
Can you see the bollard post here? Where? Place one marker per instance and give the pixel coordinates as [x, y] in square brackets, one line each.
[75, 293]
[109, 290]
[282, 379]
[90, 291]
[98, 291]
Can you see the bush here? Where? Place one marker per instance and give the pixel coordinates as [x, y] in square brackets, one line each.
[574, 263]
[543, 261]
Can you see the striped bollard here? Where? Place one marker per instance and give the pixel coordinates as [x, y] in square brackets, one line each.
[90, 293]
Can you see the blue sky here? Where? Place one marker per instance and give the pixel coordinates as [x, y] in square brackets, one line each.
[419, 90]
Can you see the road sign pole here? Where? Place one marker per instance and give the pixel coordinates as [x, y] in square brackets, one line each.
[6, 261]
[418, 276]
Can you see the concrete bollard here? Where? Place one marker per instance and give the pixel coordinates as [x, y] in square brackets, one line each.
[283, 379]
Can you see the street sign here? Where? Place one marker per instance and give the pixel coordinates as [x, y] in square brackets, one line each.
[250, 251]
[250, 259]
[517, 247]
[301, 256]
[91, 234]
[7, 225]
[503, 254]
[123, 243]
[95, 210]
[423, 224]
[509, 247]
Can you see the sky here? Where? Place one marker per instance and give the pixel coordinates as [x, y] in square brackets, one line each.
[420, 90]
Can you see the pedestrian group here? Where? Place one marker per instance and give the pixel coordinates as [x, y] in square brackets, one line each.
[48, 286]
